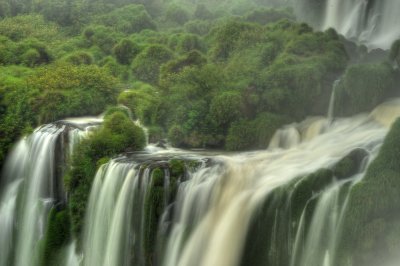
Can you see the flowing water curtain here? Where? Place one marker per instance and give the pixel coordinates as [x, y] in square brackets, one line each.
[32, 184]
[374, 23]
[236, 191]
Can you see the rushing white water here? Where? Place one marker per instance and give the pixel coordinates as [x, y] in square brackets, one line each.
[32, 185]
[107, 232]
[30, 174]
[214, 208]
[219, 233]
[71, 259]
[374, 23]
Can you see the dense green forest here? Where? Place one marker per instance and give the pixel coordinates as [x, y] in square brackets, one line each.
[208, 77]
[217, 75]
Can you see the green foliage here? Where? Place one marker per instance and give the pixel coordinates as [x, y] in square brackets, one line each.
[254, 134]
[103, 37]
[233, 35]
[153, 208]
[363, 87]
[63, 12]
[117, 134]
[16, 114]
[177, 168]
[207, 68]
[128, 19]
[307, 187]
[226, 108]
[240, 135]
[58, 235]
[120, 108]
[265, 16]
[68, 90]
[146, 66]
[193, 58]
[350, 164]
[176, 14]
[187, 42]
[367, 230]
[32, 26]
[395, 52]
[125, 51]
[198, 27]
[80, 58]
[144, 101]
[176, 136]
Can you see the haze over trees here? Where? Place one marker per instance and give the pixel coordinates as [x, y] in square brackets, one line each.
[229, 75]
[199, 74]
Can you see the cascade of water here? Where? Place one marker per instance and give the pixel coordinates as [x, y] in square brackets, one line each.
[216, 208]
[218, 235]
[32, 185]
[35, 191]
[107, 231]
[374, 23]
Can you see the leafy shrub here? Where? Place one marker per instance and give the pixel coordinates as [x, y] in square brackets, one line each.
[128, 19]
[68, 90]
[202, 12]
[125, 51]
[225, 108]
[103, 37]
[193, 58]
[198, 27]
[240, 135]
[146, 66]
[32, 26]
[80, 58]
[176, 136]
[144, 101]
[363, 87]
[233, 35]
[117, 134]
[254, 134]
[176, 14]
[58, 234]
[265, 16]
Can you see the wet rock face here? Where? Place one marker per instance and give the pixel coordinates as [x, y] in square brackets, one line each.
[350, 165]
[62, 153]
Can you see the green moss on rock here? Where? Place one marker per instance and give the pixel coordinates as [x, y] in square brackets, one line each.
[350, 164]
[373, 212]
[117, 134]
[363, 87]
[58, 234]
[154, 205]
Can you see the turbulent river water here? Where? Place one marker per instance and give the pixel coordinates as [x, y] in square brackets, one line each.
[216, 214]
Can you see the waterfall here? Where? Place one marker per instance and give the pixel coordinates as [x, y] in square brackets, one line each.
[233, 195]
[244, 209]
[32, 185]
[107, 232]
[281, 206]
[374, 23]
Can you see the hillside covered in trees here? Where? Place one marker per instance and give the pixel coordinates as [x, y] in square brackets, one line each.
[217, 75]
